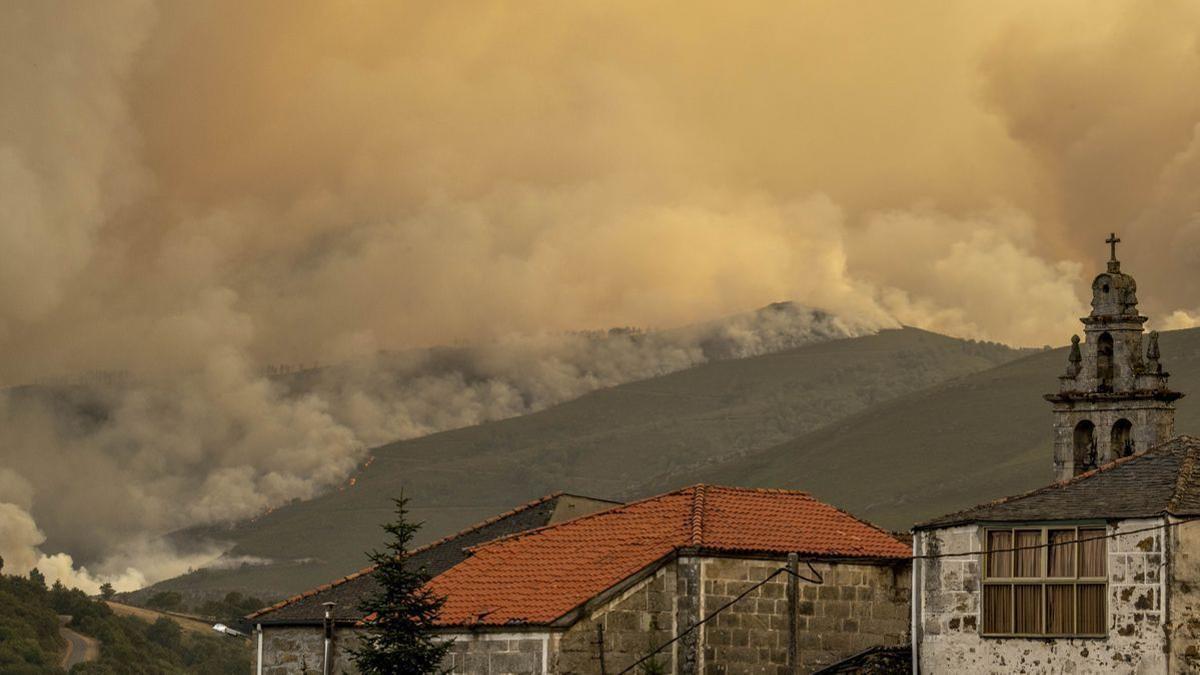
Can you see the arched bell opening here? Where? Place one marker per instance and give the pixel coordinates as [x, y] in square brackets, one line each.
[1122, 438]
[1104, 363]
[1085, 446]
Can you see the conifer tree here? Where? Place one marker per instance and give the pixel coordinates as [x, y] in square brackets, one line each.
[400, 616]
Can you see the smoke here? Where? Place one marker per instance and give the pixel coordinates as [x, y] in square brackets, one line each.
[194, 191]
[123, 460]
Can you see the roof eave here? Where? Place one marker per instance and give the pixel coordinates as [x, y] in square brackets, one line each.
[1059, 519]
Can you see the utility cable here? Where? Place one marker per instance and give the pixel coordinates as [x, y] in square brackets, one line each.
[818, 580]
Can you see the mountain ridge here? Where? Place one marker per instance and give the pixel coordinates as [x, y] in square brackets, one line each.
[604, 444]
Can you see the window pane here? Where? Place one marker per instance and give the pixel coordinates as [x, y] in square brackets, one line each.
[1092, 619]
[1061, 553]
[1028, 601]
[1092, 553]
[1000, 564]
[1029, 554]
[1060, 609]
[997, 609]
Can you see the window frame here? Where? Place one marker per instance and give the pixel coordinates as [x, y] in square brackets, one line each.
[1043, 581]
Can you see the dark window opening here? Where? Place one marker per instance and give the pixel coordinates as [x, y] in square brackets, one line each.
[1122, 438]
[1104, 363]
[1085, 446]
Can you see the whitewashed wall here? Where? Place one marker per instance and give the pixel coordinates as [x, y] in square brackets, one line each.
[948, 616]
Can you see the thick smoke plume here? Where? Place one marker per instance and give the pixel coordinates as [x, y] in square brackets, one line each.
[194, 191]
[128, 458]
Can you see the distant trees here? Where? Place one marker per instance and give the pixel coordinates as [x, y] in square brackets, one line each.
[400, 617]
[233, 606]
[107, 591]
[30, 642]
[165, 632]
[165, 600]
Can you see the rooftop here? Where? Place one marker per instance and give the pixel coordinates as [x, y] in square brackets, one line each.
[540, 576]
[1163, 480]
[436, 558]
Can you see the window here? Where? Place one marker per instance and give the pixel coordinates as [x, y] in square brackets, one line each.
[1045, 581]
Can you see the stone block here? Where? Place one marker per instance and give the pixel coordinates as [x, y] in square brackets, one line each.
[515, 662]
[838, 609]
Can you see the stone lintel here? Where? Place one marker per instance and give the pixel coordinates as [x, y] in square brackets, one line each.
[1113, 322]
[1115, 397]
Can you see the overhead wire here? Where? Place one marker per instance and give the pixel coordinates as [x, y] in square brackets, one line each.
[928, 556]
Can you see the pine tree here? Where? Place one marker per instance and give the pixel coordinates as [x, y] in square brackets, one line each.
[401, 614]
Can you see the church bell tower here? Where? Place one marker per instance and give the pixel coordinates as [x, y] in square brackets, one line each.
[1113, 400]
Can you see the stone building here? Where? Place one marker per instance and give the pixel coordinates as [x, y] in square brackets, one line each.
[1098, 572]
[1113, 399]
[597, 593]
[1105, 575]
[291, 634]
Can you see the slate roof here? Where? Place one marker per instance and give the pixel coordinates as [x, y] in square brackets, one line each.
[539, 576]
[436, 558]
[1162, 480]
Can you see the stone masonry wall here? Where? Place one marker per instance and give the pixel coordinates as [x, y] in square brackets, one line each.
[858, 606]
[950, 618]
[1153, 423]
[1184, 599]
[634, 622]
[499, 653]
[299, 650]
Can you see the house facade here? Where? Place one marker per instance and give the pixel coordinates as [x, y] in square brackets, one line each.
[1097, 574]
[783, 580]
[1100, 571]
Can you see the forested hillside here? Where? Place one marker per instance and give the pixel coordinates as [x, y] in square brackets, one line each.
[609, 443]
[30, 642]
[954, 445]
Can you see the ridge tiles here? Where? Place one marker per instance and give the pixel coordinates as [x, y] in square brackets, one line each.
[540, 575]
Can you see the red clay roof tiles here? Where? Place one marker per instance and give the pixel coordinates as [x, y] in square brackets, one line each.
[536, 577]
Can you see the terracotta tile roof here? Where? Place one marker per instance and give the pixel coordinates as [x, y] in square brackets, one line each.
[538, 576]
[1164, 479]
[436, 557]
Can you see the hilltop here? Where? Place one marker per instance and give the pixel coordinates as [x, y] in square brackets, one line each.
[931, 452]
[609, 443]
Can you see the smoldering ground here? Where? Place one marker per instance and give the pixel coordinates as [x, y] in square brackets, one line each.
[193, 191]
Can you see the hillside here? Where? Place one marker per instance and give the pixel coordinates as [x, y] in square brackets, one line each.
[32, 642]
[606, 444]
[928, 453]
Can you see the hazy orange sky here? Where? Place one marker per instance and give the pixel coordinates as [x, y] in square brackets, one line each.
[309, 181]
[197, 189]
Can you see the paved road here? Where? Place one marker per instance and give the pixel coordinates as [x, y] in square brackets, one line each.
[80, 648]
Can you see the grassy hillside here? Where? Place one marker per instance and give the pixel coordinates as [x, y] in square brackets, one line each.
[935, 451]
[30, 642]
[608, 444]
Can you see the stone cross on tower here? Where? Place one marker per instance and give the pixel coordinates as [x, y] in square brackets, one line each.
[1113, 400]
[1114, 265]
